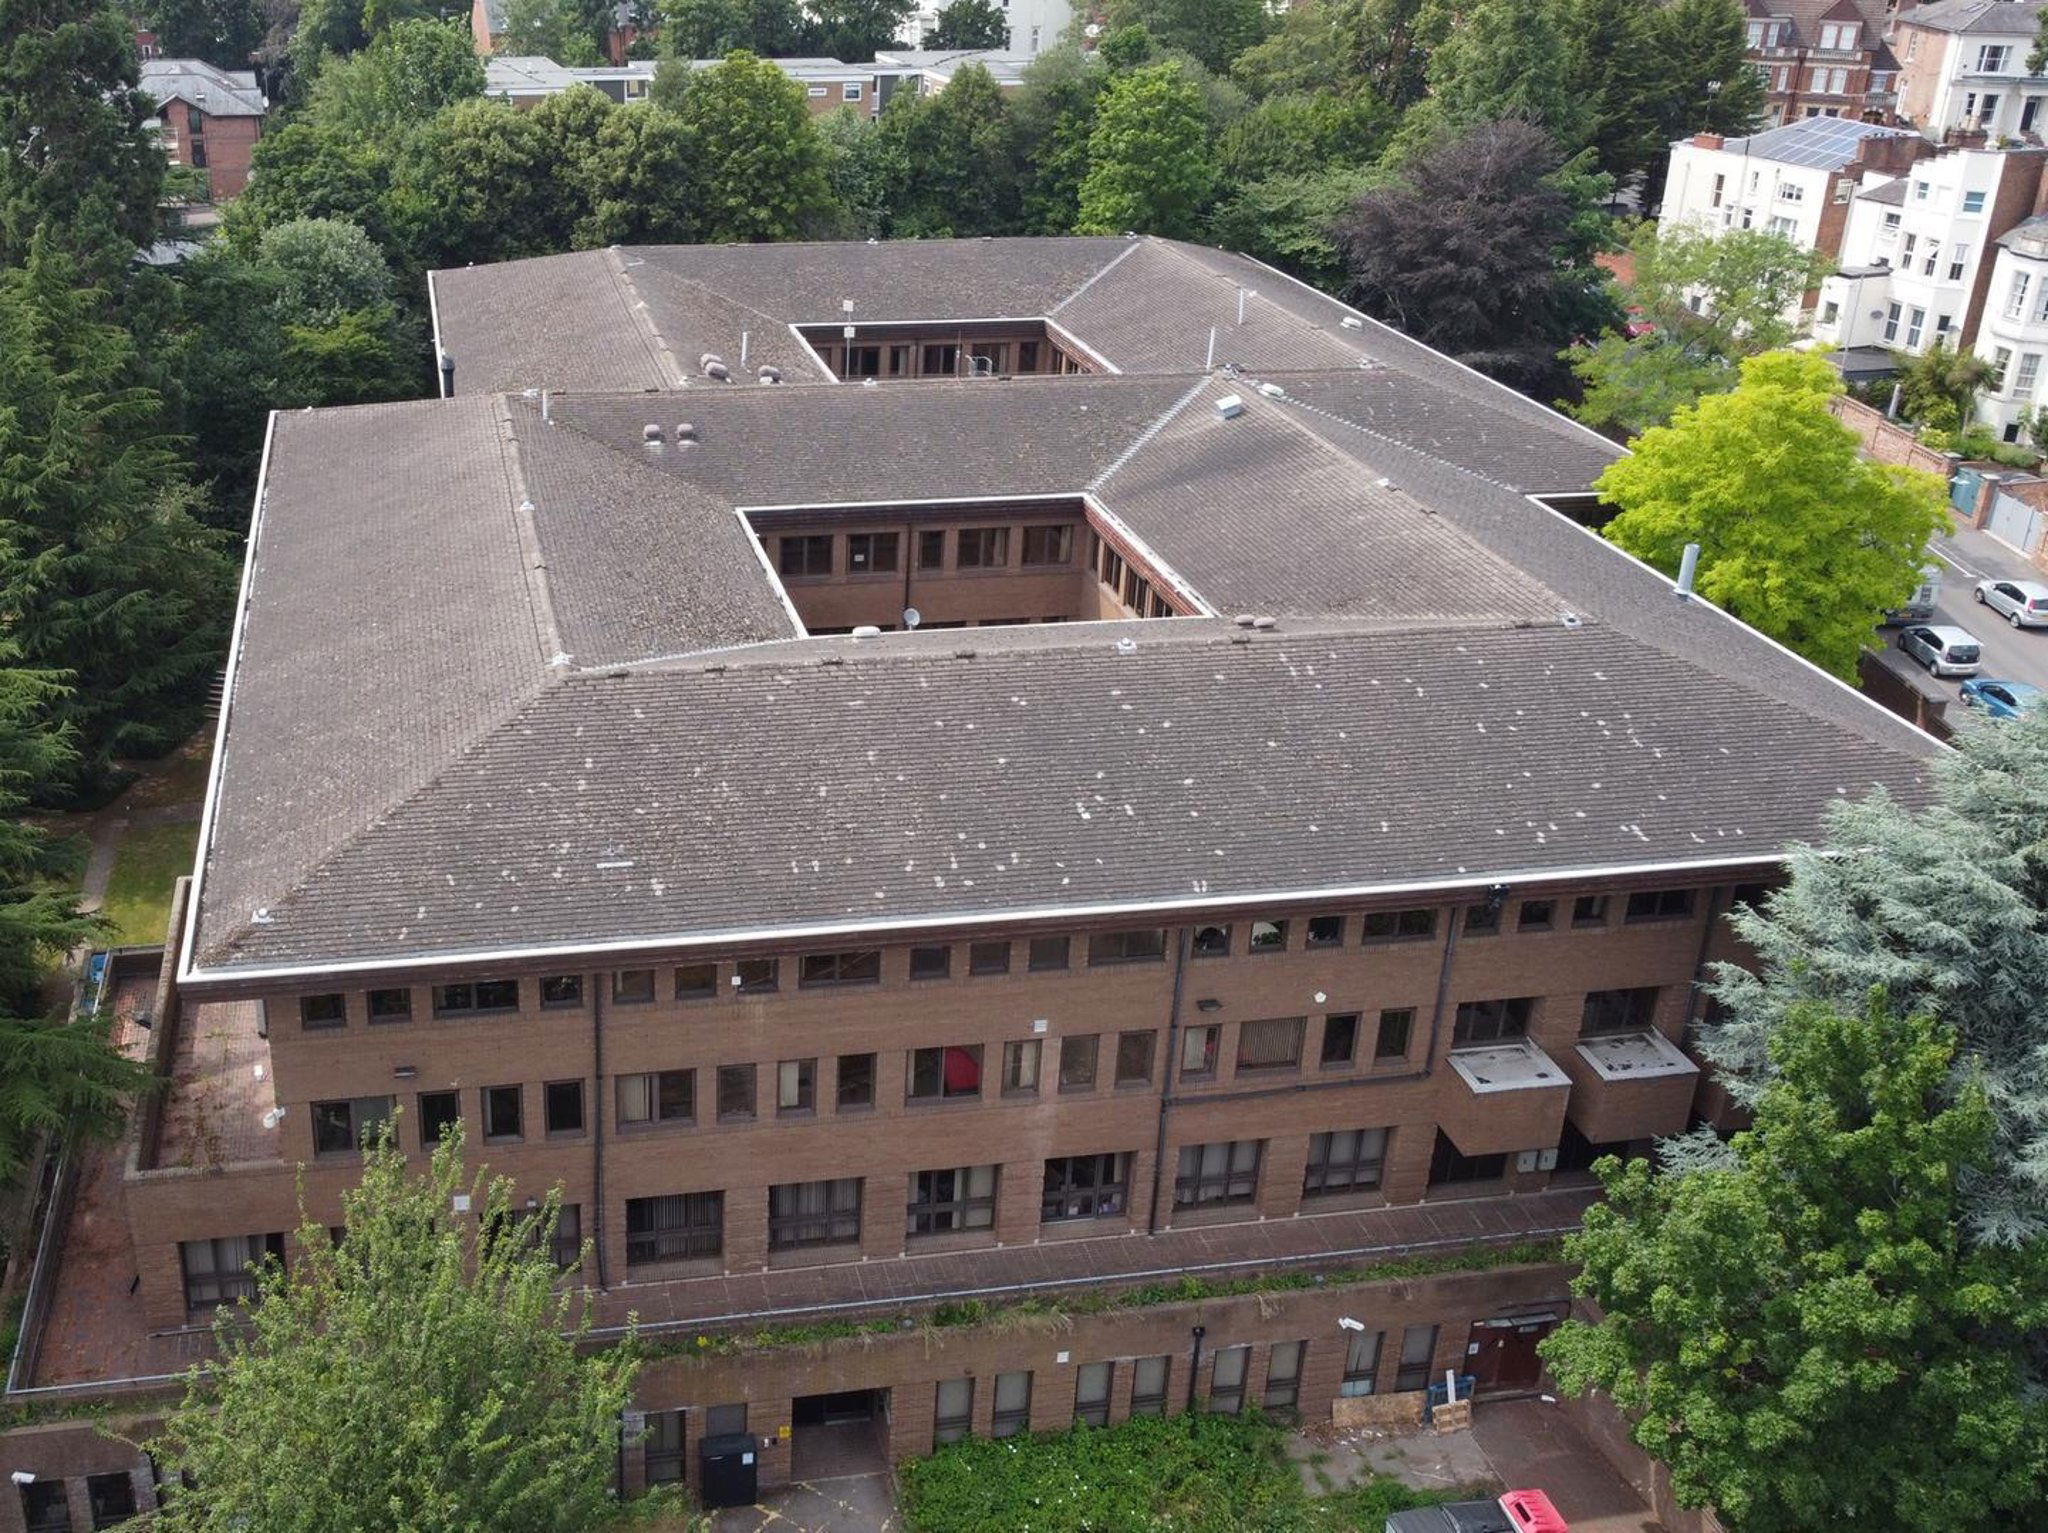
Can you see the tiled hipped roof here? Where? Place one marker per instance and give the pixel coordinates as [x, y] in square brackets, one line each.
[513, 678]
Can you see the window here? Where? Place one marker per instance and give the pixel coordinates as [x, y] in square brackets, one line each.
[1344, 1160]
[817, 91]
[855, 1082]
[1958, 260]
[1027, 356]
[1991, 58]
[756, 976]
[1221, 1173]
[735, 1093]
[1020, 1065]
[2028, 375]
[1660, 905]
[1931, 259]
[1399, 925]
[1210, 942]
[1226, 1380]
[1149, 1378]
[681, 1227]
[945, 1073]
[804, 1214]
[931, 549]
[941, 360]
[1048, 953]
[1618, 1011]
[483, 995]
[952, 1411]
[317, 1011]
[1396, 1026]
[1283, 1377]
[1450, 1166]
[217, 1271]
[1340, 1039]
[1787, 227]
[562, 1106]
[663, 1096]
[805, 555]
[1589, 910]
[1141, 946]
[1048, 545]
[725, 1420]
[2001, 359]
[111, 1498]
[46, 1504]
[871, 553]
[1093, 1383]
[1325, 931]
[567, 1245]
[2030, 113]
[943, 1202]
[1012, 1405]
[340, 1128]
[1535, 915]
[1269, 936]
[1270, 1045]
[1891, 320]
[501, 1112]
[849, 90]
[931, 962]
[2016, 295]
[438, 1111]
[796, 1086]
[390, 1005]
[988, 957]
[1792, 191]
[863, 967]
[1134, 1058]
[664, 1447]
[1418, 1351]
[632, 987]
[1077, 1062]
[1491, 1021]
[1084, 1187]
[696, 981]
[982, 548]
[1361, 1363]
[1199, 1047]
[560, 990]
[1482, 920]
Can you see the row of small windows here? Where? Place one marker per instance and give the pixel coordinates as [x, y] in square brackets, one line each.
[820, 555]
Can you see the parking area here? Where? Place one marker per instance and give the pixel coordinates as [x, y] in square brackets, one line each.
[2010, 654]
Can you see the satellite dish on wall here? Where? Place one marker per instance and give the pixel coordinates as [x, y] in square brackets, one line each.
[912, 617]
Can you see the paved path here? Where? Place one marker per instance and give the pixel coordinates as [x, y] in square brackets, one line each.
[859, 1503]
[1531, 1443]
[2010, 654]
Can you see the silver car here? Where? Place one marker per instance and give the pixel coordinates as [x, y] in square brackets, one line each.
[1944, 650]
[2023, 603]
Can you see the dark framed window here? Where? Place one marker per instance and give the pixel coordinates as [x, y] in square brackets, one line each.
[940, 359]
[1150, 1377]
[854, 1082]
[562, 1104]
[1397, 1026]
[342, 1127]
[562, 990]
[680, 1227]
[1752, 895]
[218, 1271]
[1143, 945]
[1027, 356]
[1536, 915]
[796, 1086]
[806, 1214]
[664, 1447]
[1491, 1021]
[438, 1110]
[1482, 920]
[660, 1096]
[736, 1093]
[952, 1411]
[982, 548]
[1325, 931]
[1659, 905]
[1048, 953]
[1269, 937]
[1340, 1039]
[931, 962]
[696, 981]
[931, 549]
[1400, 925]
[317, 1011]
[862, 967]
[1344, 1160]
[1077, 1061]
[1213, 1175]
[1199, 1048]
[1283, 1378]
[1085, 1187]
[1012, 1405]
[566, 1244]
[1418, 1351]
[502, 1106]
[1093, 1384]
[390, 1005]
[480, 996]
[1020, 1066]
[1273, 1044]
[945, 1202]
[804, 554]
[1618, 1011]
[110, 1498]
[725, 1420]
[1589, 910]
[757, 976]
[46, 1504]
[1361, 1363]
[871, 553]
[991, 957]
[1226, 1380]
[945, 1074]
[1210, 942]
[1449, 1166]
[1049, 545]
[632, 987]
[1134, 1057]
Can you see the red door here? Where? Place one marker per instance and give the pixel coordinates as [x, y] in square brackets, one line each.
[1501, 1354]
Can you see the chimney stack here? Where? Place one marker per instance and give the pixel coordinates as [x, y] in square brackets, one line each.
[1708, 140]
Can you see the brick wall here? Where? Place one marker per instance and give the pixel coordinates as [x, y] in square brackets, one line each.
[1886, 441]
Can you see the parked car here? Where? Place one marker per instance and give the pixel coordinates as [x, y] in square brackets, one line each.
[1919, 606]
[1944, 650]
[2024, 603]
[1999, 699]
[1517, 1511]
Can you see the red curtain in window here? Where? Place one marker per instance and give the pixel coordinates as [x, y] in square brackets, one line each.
[963, 1070]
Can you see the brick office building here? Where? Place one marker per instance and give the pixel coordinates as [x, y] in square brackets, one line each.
[207, 118]
[1288, 844]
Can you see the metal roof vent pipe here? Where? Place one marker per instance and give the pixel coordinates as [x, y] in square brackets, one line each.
[1230, 407]
[651, 434]
[1265, 624]
[447, 376]
[707, 359]
[685, 432]
[1688, 566]
[769, 374]
[718, 371]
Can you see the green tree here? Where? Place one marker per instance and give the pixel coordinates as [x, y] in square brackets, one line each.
[223, 32]
[1611, 47]
[642, 181]
[947, 158]
[324, 29]
[1939, 387]
[855, 30]
[1508, 59]
[1761, 1318]
[970, 24]
[1291, 135]
[1799, 536]
[307, 170]
[326, 268]
[1627, 384]
[407, 74]
[482, 184]
[1150, 164]
[424, 1369]
[1212, 32]
[710, 29]
[331, 290]
[553, 29]
[1050, 117]
[760, 165]
[1706, 82]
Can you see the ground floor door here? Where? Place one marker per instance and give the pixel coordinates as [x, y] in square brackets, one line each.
[1501, 1354]
[839, 1434]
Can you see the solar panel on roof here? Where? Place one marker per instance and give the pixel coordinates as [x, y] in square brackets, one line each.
[1814, 142]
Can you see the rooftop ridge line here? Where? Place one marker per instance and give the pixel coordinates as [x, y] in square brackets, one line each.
[533, 561]
[1108, 267]
[1144, 437]
[642, 319]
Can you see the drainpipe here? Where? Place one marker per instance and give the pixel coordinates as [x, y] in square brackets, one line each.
[1195, 1365]
[1443, 979]
[1699, 964]
[1166, 1077]
[597, 1135]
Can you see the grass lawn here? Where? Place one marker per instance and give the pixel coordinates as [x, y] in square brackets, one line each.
[150, 860]
[179, 778]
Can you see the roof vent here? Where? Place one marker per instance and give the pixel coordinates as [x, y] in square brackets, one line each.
[650, 433]
[770, 375]
[1126, 646]
[1352, 322]
[717, 370]
[1264, 623]
[869, 383]
[1570, 620]
[1244, 620]
[1272, 391]
[867, 631]
[708, 359]
[1230, 407]
[685, 432]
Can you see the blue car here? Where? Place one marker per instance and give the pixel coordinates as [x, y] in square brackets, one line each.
[1999, 699]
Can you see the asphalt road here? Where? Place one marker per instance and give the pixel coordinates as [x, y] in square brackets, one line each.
[2010, 654]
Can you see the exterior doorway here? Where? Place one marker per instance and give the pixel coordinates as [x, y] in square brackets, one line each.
[1500, 1355]
[839, 1434]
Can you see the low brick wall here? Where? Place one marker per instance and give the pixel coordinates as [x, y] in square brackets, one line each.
[1886, 441]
